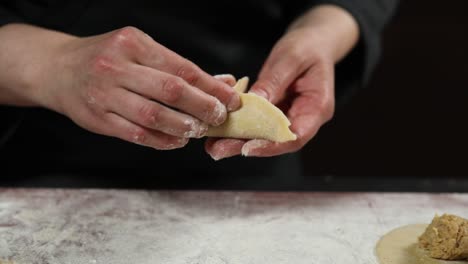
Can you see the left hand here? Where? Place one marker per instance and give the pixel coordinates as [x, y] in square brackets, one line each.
[298, 77]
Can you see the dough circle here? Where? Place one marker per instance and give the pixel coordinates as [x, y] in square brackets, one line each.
[400, 246]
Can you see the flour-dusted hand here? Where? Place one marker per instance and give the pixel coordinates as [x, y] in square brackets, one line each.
[121, 84]
[298, 77]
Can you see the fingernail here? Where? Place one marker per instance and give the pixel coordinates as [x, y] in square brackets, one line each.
[202, 129]
[220, 112]
[197, 129]
[215, 157]
[260, 93]
[234, 103]
[220, 153]
[224, 76]
[181, 142]
[253, 145]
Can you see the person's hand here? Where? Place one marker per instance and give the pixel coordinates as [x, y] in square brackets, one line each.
[126, 85]
[298, 77]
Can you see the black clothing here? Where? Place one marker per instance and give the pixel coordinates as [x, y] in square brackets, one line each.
[226, 37]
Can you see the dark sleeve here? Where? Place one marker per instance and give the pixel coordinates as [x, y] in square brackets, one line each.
[355, 69]
[10, 116]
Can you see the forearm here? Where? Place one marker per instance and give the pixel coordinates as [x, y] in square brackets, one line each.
[25, 53]
[337, 28]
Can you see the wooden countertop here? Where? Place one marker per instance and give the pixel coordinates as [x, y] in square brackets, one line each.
[52, 226]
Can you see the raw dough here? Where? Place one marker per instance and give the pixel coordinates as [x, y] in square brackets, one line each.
[400, 246]
[256, 119]
[446, 238]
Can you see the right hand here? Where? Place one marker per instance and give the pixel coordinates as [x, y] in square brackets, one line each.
[126, 85]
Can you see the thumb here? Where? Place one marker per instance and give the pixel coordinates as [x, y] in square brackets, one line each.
[278, 73]
[229, 79]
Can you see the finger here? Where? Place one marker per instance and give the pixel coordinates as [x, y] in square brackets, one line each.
[228, 79]
[174, 92]
[308, 112]
[155, 116]
[282, 67]
[223, 148]
[158, 57]
[304, 127]
[120, 127]
[265, 148]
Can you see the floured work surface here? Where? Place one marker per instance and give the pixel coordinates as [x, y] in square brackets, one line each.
[116, 227]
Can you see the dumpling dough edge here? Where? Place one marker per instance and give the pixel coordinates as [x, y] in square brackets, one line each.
[256, 119]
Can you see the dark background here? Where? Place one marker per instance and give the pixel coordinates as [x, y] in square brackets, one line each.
[411, 119]
[406, 131]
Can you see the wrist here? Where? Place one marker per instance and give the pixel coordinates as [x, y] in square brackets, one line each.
[49, 80]
[28, 64]
[48, 69]
[336, 28]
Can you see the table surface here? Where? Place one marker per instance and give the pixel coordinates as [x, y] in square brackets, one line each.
[116, 226]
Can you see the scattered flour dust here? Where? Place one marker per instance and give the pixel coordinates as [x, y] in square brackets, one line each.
[113, 227]
[142, 227]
